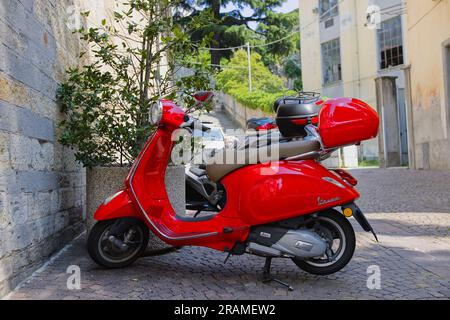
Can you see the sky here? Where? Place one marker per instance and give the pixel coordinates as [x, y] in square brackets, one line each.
[288, 6]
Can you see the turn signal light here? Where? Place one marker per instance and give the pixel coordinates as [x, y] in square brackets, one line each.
[348, 212]
[267, 126]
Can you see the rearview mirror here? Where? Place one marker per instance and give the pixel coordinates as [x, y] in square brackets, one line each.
[203, 96]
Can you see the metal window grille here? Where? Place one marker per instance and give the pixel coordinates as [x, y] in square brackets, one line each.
[328, 9]
[331, 61]
[390, 40]
[329, 23]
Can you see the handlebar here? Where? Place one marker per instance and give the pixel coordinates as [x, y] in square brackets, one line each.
[193, 124]
[205, 128]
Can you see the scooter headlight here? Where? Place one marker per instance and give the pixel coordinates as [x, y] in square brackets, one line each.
[155, 113]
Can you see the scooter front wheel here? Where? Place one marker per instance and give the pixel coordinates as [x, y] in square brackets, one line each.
[117, 251]
[341, 242]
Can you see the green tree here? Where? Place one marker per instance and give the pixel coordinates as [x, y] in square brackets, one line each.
[107, 101]
[267, 87]
[229, 29]
[279, 26]
[293, 71]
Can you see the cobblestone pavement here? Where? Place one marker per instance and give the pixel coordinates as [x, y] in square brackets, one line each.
[409, 209]
[218, 119]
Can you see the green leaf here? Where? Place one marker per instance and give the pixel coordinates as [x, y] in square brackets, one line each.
[106, 101]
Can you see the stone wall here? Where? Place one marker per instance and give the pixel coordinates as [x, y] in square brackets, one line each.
[237, 112]
[41, 186]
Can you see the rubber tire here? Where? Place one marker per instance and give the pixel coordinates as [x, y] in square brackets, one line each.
[94, 236]
[348, 252]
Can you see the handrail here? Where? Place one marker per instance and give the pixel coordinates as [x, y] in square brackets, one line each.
[321, 155]
[311, 130]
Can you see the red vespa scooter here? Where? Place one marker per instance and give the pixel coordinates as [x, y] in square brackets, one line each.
[281, 208]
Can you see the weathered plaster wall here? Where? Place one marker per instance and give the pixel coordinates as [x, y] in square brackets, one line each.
[359, 54]
[310, 44]
[427, 34]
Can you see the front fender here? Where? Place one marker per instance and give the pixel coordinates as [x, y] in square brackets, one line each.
[117, 206]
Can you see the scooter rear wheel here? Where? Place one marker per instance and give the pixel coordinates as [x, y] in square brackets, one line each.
[339, 233]
[106, 254]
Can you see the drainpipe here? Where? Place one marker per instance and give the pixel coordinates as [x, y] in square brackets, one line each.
[358, 66]
[410, 118]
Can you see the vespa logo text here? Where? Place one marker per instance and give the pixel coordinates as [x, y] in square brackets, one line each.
[322, 202]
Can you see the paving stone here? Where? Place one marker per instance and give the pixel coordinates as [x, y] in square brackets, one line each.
[198, 273]
[410, 210]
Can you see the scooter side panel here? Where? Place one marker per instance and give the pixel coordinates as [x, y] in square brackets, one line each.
[272, 192]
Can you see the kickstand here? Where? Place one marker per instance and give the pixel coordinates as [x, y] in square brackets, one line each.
[267, 277]
[228, 257]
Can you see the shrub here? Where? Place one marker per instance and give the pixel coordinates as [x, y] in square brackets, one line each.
[267, 87]
[106, 102]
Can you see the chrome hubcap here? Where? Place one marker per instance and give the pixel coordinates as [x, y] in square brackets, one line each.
[334, 236]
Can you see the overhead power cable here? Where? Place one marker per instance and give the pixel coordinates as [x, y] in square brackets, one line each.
[425, 15]
[295, 32]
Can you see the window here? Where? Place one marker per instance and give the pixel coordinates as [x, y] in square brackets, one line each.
[331, 61]
[390, 42]
[329, 23]
[328, 9]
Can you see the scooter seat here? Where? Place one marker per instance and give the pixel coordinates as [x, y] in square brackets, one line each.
[229, 160]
